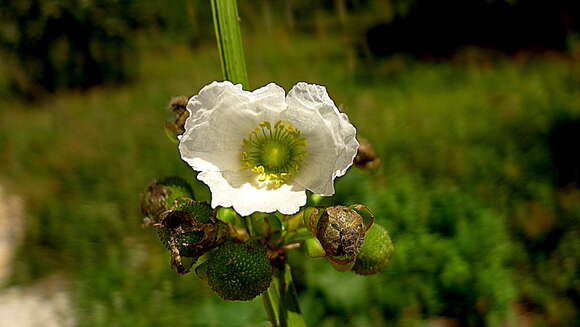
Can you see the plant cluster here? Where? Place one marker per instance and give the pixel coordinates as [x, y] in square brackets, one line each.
[237, 255]
[259, 152]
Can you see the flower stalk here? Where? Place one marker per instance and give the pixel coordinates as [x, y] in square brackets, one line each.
[280, 300]
[229, 41]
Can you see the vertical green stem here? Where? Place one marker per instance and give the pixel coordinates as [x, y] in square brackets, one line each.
[280, 300]
[271, 299]
[229, 41]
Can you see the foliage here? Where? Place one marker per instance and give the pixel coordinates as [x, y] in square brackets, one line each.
[65, 44]
[72, 44]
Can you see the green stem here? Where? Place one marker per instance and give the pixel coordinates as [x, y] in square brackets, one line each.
[271, 299]
[229, 41]
[280, 300]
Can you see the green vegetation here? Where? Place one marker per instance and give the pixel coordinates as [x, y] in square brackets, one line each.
[53, 45]
[465, 188]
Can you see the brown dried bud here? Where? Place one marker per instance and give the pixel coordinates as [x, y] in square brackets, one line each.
[178, 106]
[189, 231]
[366, 158]
[154, 201]
[178, 103]
[365, 213]
[160, 196]
[341, 231]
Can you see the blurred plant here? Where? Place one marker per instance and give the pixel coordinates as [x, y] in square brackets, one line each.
[53, 45]
[296, 143]
[66, 44]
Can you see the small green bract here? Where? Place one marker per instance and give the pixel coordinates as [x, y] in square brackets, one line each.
[375, 252]
[239, 271]
[180, 188]
[160, 196]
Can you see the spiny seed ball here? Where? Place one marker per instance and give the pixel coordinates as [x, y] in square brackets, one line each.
[239, 271]
[200, 211]
[375, 252]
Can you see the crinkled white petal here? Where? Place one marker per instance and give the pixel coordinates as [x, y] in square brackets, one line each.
[220, 117]
[330, 138]
[235, 189]
[223, 114]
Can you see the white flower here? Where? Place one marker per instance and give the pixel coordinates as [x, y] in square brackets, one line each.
[260, 150]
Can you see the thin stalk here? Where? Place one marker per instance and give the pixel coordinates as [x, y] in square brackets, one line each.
[271, 300]
[280, 300]
[229, 41]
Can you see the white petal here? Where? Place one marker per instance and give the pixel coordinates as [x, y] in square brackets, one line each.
[234, 189]
[330, 137]
[221, 116]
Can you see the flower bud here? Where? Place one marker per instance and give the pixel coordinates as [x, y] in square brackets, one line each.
[341, 231]
[375, 252]
[319, 200]
[178, 106]
[366, 157]
[238, 271]
[313, 248]
[160, 196]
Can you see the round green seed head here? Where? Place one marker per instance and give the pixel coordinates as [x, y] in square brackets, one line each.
[239, 271]
[375, 252]
[200, 211]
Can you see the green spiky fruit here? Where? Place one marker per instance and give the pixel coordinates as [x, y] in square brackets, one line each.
[375, 252]
[201, 211]
[239, 271]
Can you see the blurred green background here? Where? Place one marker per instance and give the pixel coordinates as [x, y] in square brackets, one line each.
[478, 186]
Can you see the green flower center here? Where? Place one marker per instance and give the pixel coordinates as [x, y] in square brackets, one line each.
[273, 153]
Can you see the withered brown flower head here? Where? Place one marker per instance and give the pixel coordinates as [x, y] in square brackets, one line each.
[154, 201]
[341, 231]
[366, 157]
[178, 106]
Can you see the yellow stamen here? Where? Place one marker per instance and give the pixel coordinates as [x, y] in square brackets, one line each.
[274, 154]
